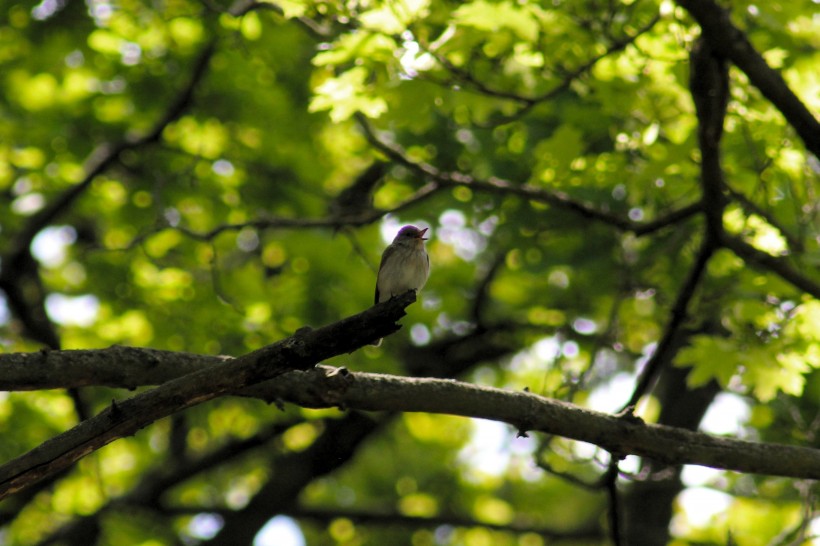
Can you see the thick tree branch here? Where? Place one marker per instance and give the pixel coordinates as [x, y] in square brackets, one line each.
[328, 387]
[291, 472]
[724, 37]
[300, 351]
[117, 366]
[528, 411]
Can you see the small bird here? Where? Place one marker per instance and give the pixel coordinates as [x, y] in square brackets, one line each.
[405, 266]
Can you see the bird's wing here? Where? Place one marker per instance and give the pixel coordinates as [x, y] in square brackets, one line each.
[385, 256]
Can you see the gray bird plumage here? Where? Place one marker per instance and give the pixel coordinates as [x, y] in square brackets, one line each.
[405, 265]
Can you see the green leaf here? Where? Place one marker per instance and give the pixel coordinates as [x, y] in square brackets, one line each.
[393, 17]
[356, 45]
[346, 95]
[710, 358]
[767, 372]
[494, 16]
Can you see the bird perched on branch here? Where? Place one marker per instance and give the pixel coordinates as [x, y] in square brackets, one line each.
[405, 266]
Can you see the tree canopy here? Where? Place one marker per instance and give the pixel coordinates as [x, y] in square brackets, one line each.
[623, 312]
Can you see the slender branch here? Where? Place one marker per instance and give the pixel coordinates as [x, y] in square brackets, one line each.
[334, 222]
[528, 102]
[773, 264]
[104, 155]
[670, 219]
[610, 481]
[557, 199]
[709, 85]
[568, 477]
[482, 291]
[732, 43]
[20, 276]
[302, 350]
[793, 242]
[616, 46]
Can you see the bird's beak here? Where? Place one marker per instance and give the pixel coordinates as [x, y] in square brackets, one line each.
[421, 234]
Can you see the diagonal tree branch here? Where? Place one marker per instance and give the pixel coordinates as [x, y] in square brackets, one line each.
[677, 317]
[795, 244]
[727, 39]
[148, 493]
[300, 351]
[106, 154]
[292, 472]
[773, 264]
[709, 85]
[20, 276]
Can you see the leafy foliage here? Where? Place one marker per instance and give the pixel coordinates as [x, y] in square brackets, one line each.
[192, 176]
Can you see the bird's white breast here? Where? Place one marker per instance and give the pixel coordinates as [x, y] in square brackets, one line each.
[402, 273]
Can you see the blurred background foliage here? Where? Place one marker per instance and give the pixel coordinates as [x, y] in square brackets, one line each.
[290, 140]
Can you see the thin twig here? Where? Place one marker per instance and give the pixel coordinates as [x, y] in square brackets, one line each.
[614, 507]
[677, 317]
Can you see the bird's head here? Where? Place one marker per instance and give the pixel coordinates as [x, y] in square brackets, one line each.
[411, 234]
